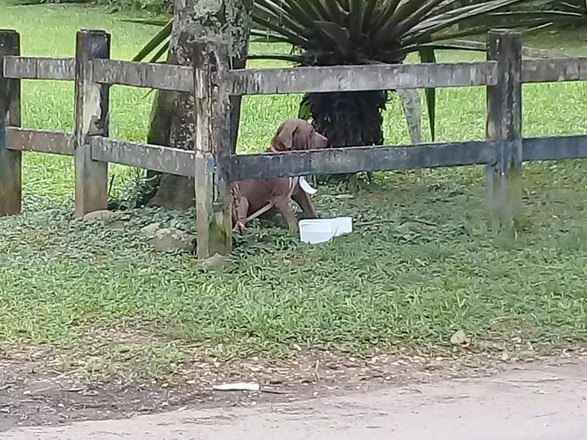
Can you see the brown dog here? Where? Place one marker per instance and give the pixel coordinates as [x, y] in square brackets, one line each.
[268, 197]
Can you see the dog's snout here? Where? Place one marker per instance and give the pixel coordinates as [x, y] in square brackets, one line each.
[321, 141]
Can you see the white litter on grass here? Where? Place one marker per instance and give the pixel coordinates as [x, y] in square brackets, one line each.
[307, 187]
[239, 386]
[315, 231]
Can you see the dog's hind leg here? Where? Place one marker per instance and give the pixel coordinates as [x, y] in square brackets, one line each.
[240, 208]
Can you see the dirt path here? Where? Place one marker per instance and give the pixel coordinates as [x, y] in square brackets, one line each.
[535, 401]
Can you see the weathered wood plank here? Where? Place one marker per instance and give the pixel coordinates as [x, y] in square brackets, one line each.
[330, 161]
[10, 161]
[358, 78]
[356, 159]
[150, 157]
[41, 141]
[333, 160]
[504, 123]
[91, 119]
[39, 68]
[554, 70]
[212, 143]
[555, 148]
[155, 76]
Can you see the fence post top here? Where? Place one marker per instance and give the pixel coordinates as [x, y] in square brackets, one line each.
[92, 44]
[509, 32]
[9, 38]
[92, 31]
[9, 45]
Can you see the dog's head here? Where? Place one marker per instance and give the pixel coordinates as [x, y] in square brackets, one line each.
[297, 134]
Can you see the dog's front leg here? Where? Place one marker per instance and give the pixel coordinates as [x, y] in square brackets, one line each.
[302, 199]
[286, 212]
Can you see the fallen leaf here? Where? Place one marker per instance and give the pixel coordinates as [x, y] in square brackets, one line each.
[459, 338]
[239, 386]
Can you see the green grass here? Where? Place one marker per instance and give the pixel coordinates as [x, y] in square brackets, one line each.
[105, 297]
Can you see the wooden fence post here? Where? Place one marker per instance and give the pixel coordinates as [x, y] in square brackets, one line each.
[504, 126]
[212, 142]
[10, 160]
[91, 119]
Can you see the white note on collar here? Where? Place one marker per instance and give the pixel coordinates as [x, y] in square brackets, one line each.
[306, 186]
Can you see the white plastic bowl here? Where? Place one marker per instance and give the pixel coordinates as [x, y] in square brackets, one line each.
[315, 231]
[342, 225]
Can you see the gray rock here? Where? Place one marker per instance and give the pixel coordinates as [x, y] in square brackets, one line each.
[459, 338]
[215, 263]
[150, 230]
[100, 214]
[172, 239]
[117, 224]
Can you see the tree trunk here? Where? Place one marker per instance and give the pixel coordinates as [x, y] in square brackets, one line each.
[173, 121]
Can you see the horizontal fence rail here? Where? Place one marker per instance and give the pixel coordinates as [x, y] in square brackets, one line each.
[361, 78]
[356, 159]
[39, 68]
[40, 141]
[554, 70]
[299, 163]
[151, 157]
[389, 158]
[554, 148]
[156, 76]
[297, 80]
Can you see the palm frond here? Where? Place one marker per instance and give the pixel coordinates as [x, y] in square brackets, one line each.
[148, 21]
[153, 46]
[296, 59]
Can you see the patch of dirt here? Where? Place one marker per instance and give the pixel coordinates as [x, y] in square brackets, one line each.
[34, 392]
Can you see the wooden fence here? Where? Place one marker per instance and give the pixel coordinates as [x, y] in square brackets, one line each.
[212, 161]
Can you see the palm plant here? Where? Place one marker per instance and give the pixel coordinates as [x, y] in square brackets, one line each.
[350, 32]
[339, 32]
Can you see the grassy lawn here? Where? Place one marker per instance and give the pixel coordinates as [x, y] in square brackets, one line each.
[103, 296]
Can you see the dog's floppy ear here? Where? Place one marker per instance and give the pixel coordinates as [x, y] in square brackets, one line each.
[284, 138]
[303, 137]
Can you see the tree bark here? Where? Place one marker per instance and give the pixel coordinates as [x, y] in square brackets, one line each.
[173, 118]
